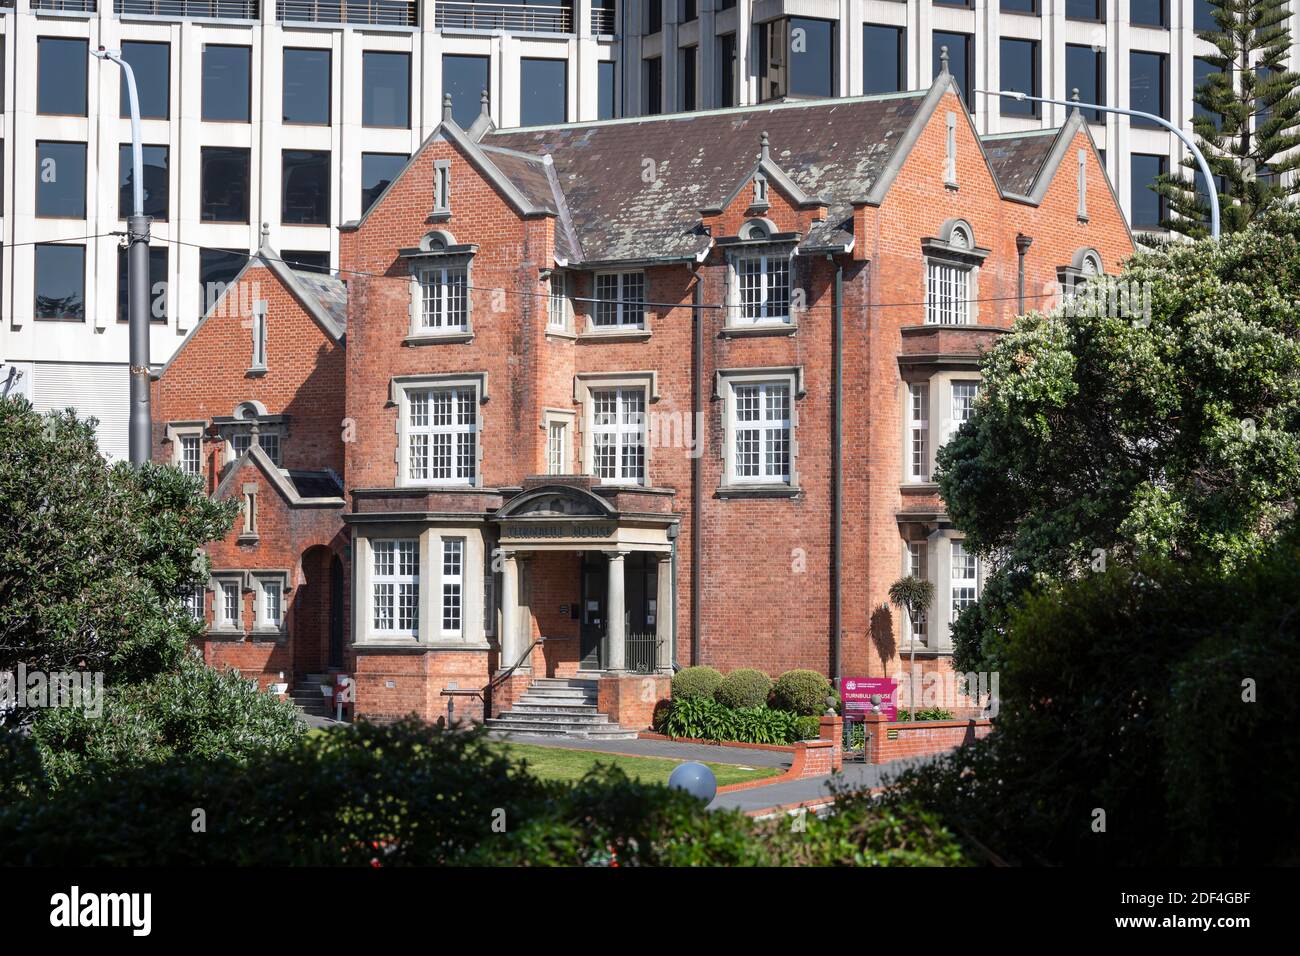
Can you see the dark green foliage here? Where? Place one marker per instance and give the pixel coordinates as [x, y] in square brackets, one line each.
[705, 719]
[1126, 691]
[744, 688]
[801, 692]
[925, 713]
[696, 682]
[412, 794]
[660, 718]
[1247, 123]
[807, 728]
[1099, 436]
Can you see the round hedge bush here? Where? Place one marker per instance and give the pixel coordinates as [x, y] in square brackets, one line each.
[695, 682]
[745, 687]
[807, 728]
[802, 692]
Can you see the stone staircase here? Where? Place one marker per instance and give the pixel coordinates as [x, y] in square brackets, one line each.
[559, 707]
[307, 698]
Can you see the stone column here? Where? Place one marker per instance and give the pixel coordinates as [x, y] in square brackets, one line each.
[616, 614]
[664, 613]
[510, 648]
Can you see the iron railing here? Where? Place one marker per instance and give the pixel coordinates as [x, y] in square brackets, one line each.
[641, 653]
[514, 17]
[63, 6]
[379, 13]
[189, 9]
[602, 20]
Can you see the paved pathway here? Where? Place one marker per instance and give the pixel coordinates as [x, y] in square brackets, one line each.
[860, 776]
[704, 753]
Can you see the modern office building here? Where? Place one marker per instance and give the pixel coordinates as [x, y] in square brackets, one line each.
[295, 113]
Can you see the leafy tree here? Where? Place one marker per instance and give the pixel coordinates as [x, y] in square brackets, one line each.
[1248, 121]
[1100, 437]
[93, 562]
[912, 596]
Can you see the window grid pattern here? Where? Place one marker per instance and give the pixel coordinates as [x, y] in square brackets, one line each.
[965, 578]
[947, 294]
[444, 299]
[763, 284]
[272, 603]
[191, 456]
[396, 585]
[556, 436]
[441, 435]
[963, 403]
[918, 431]
[230, 604]
[194, 600]
[557, 304]
[618, 434]
[762, 432]
[453, 575]
[916, 553]
[620, 300]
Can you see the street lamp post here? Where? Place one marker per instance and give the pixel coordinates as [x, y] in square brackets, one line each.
[137, 270]
[1187, 140]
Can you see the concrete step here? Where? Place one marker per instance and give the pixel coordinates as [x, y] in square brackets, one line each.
[541, 710]
[574, 719]
[605, 731]
[565, 682]
[565, 692]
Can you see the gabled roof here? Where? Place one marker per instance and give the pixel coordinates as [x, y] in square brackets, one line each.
[325, 298]
[1017, 158]
[299, 489]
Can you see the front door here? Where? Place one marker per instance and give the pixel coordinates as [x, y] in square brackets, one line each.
[336, 613]
[595, 581]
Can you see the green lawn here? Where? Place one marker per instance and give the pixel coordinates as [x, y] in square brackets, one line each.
[560, 763]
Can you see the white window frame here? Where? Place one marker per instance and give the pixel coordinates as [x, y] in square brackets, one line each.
[626, 305]
[263, 585]
[552, 419]
[950, 292]
[917, 432]
[765, 425]
[460, 392]
[559, 305]
[441, 299]
[267, 436]
[968, 580]
[452, 592]
[917, 557]
[771, 310]
[195, 602]
[620, 430]
[395, 555]
[222, 585]
[954, 422]
[726, 381]
[179, 433]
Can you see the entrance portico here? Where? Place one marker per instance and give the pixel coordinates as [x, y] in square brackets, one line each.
[619, 566]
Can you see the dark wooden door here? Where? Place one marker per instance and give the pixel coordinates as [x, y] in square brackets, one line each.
[595, 580]
[336, 613]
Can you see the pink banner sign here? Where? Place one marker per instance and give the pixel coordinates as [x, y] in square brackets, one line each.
[856, 692]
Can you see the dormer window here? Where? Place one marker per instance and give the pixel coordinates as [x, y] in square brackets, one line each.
[440, 301]
[620, 300]
[251, 423]
[763, 288]
[952, 263]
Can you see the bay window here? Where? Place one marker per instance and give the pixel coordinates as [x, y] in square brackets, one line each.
[453, 578]
[918, 431]
[963, 404]
[916, 567]
[964, 578]
[395, 586]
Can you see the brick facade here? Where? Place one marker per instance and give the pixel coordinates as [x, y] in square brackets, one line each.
[497, 557]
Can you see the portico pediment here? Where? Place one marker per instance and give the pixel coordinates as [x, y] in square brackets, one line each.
[557, 501]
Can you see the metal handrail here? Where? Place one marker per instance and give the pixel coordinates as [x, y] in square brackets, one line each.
[186, 9]
[515, 17]
[384, 13]
[602, 20]
[63, 6]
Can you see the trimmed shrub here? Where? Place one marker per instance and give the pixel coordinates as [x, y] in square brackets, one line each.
[807, 728]
[744, 688]
[659, 721]
[696, 682]
[706, 719]
[801, 692]
[925, 713]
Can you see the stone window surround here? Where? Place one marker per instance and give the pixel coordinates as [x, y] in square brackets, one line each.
[759, 237]
[619, 331]
[583, 385]
[1086, 263]
[962, 254]
[939, 416]
[429, 632]
[558, 416]
[180, 429]
[398, 387]
[220, 625]
[258, 578]
[938, 559]
[723, 379]
[438, 249]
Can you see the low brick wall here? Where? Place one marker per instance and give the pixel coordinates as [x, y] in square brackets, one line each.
[629, 699]
[894, 741]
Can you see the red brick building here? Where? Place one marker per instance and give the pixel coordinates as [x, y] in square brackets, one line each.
[622, 396]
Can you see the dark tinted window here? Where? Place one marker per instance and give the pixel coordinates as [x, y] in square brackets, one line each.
[543, 93]
[689, 11]
[961, 61]
[605, 108]
[727, 70]
[223, 190]
[61, 180]
[1019, 6]
[1148, 85]
[465, 78]
[812, 57]
[151, 64]
[1149, 13]
[1085, 71]
[1019, 74]
[385, 89]
[1085, 9]
[377, 171]
[884, 59]
[306, 86]
[217, 269]
[226, 77]
[157, 285]
[652, 80]
[156, 185]
[1203, 16]
[687, 82]
[307, 261]
[654, 16]
[1148, 206]
[61, 76]
[60, 282]
[305, 187]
